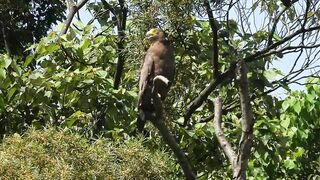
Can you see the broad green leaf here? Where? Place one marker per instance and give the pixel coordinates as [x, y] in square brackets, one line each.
[88, 81]
[48, 94]
[132, 93]
[180, 120]
[85, 44]
[11, 92]
[52, 48]
[28, 60]
[102, 73]
[3, 73]
[271, 74]
[40, 49]
[299, 152]
[297, 107]
[289, 163]
[310, 97]
[35, 75]
[310, 14]
[285, 105]
[285, 122]
[7, 61]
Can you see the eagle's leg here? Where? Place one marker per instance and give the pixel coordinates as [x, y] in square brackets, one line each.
[144, 115]
[141, 121]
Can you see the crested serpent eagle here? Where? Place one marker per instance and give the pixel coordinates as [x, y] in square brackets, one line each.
[159, 60]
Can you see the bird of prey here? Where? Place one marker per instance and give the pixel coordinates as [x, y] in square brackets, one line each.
[159, 60]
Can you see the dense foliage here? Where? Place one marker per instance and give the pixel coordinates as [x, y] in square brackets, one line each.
[63, 154]
[23, 22]
[68, 81]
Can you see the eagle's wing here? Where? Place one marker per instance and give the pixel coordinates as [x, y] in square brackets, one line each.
[146, 74]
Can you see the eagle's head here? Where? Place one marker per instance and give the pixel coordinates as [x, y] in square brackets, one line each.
[155, 34]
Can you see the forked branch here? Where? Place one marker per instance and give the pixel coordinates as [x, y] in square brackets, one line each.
[239, 160]
[73, 9]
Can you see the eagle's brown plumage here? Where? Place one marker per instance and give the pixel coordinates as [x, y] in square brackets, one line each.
[159, 60]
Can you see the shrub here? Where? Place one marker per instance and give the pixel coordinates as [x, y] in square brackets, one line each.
[62, 154]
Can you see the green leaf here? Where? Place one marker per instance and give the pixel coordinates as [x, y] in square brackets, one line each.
[310, 14]
[35, 75]
[102, 73]
[88, 81]
[285, 105]
[276, 37]
[285, 122]
[16, 68]
[52, 48]
[3, 73]
[85, 44]
[180, 120]
[28, 60]
[73, 118]
[48, 94]
[2, 103]
[270, 74]
[11, 92]
[299, 152]
[297, 107]
[289, 163]
[7, 61]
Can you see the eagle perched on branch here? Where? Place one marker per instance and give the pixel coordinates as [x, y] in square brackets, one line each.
[159, 60]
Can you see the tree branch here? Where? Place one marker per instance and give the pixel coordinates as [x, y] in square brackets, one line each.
[197, 102]
[241, 163]
[275, 26]
[5, 38]
[121, 40]
[226, 146]
[214, 29]
[73, 9]
[108, 6]
[227, 76]
[259, 54]
[157, 121]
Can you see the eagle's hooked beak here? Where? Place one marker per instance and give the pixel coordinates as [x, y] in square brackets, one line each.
[152, 33]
